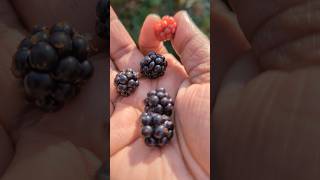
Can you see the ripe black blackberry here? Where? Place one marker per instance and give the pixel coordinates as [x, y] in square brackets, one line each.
[153, 65]
[52, 63]
[102, 23]
[126, 82]
[157, 129]
[159, 101]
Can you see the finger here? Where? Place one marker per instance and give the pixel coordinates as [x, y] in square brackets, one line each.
[79, 13]
[113, 90]
[278, 29]
[193, 48]
[253, 14]
[124, 125]
[44, 156]
[123, 50]
[229, 40]
[147, 39]
[12, 102]
[193, 115]
[6, 152]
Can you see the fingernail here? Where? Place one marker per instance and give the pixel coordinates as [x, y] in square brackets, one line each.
[154, 15]
[186, 16]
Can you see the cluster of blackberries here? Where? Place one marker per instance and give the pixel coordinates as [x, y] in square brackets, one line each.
[153, 65]
[127, 82]
[102, 23]
[52, 62]
[157, 127]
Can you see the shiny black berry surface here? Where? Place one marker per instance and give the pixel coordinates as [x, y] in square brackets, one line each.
[53, 65]
[155, 129]
[38, 85]
[43, 57]
[126, 82]
[20, 64]
[153, 65]
[62, 27]
[62, 42]
[80, 47]
[159, 101]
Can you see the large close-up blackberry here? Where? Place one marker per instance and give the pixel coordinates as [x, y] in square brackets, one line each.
[102, 25]
[157, 129]
[159, 101]
[52, 63]
[153, 65]
[126, 82]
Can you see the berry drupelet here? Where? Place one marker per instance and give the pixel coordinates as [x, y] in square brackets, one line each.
[157, 129]
[159, 101]
[52, 63]
[126, 82]
[165, 29]
[153, 65]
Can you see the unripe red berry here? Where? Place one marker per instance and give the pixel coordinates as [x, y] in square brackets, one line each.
[165, 29]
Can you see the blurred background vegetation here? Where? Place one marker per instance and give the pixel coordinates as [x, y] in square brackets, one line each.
[133, 12]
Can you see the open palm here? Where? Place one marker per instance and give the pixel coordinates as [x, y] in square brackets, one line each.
[69, 144]
[267, 110]
[187, 156]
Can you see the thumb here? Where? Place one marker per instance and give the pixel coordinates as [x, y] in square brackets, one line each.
[193, 47]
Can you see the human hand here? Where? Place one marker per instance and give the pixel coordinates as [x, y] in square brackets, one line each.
[71, 143]
[187, 156]
[266, 113]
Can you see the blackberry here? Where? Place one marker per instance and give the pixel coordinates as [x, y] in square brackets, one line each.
[126, 82]
[102, 23]
[159, 101]
[153, 65]
[52, 63]
[155, 129]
